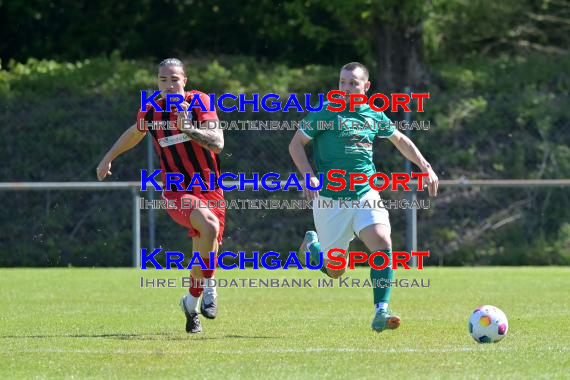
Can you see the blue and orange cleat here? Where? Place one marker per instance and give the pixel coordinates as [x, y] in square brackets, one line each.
[385, 320]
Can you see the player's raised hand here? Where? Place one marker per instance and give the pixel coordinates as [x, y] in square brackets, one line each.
[103, 169]
[432, 183]
[312, 194]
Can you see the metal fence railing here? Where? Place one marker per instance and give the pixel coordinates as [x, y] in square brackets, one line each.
[134, 189]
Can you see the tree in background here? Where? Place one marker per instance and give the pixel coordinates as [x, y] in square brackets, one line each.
[386, 34]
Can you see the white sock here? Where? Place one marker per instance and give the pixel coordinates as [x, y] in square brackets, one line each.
[381, 306]
[191, 303]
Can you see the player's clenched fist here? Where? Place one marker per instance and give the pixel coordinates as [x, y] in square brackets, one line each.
[182, 114]
[312, 194]
[103, 169]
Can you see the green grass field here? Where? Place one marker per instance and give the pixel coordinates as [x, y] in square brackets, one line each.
[64, 323]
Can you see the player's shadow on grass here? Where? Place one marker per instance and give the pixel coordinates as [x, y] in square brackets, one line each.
[133, 336]
[181, 336]
[205, 337]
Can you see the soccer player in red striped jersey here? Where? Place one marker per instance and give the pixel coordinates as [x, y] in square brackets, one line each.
[186, 151]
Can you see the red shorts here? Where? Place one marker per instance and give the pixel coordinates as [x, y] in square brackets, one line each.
[181, 215]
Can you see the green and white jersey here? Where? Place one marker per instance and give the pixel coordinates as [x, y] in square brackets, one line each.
[347, 145]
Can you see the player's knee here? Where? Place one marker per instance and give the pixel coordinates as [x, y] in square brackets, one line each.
[376, 236]
[383, 240]
[207, 224]
[210, 229]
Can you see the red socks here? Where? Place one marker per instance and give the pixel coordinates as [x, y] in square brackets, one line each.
[196, 288]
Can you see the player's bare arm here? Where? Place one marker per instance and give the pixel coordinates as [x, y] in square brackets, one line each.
[210, 137]
[128, 140]
[412, 153]
[299, 156]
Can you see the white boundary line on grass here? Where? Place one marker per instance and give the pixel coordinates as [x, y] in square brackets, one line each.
[284, 350]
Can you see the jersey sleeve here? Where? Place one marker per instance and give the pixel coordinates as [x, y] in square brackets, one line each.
[309, 125]
[385, 128]
[203, 115]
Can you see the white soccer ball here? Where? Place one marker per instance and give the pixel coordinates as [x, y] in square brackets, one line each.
[488, 324]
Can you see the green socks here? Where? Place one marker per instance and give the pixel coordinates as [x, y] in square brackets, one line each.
[382, 294]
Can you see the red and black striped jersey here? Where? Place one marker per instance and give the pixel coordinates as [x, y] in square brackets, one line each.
[177, 152]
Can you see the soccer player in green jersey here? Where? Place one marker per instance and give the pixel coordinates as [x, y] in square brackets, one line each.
[348, 147]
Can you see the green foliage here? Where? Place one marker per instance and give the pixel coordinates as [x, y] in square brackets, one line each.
[79, 109]
[352, 24]
[465, 29]
[482, 126]
[497, 73]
